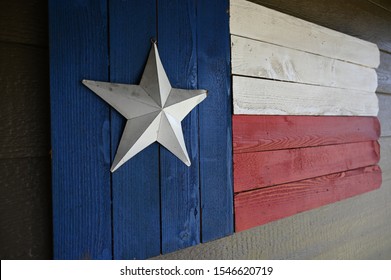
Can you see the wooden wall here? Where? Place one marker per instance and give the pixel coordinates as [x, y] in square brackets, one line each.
[357, 228]
[25, 200]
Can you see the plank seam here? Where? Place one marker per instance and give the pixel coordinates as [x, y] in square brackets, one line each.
[300, 83]
[296, 49]
[273, 186]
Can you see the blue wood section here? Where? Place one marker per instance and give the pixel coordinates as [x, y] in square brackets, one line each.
[213, 45]
[80, 130]
[180, 198]
[136, 192]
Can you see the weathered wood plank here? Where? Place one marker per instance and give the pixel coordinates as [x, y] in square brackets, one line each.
[257, 22]
[384, 73]
[359, 18]
[264, 60]
[24, 21]
[80, 131]
[385, 114]
[258, 207]
[25, 106]
[215, 112]
[25, 203]
[264, 133]
[266, 97]
[263, 169]
[135, 186]
[180, 194]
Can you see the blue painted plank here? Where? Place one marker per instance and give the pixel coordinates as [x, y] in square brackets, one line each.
[179, 183]
[213, 45]
[80, 130]
[136, 191]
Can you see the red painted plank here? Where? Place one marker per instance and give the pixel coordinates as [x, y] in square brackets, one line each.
[263, 133]
[261, 206]
[262, 169]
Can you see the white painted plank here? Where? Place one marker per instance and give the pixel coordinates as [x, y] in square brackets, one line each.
[260, 59]
[267, 97]
[257, 22]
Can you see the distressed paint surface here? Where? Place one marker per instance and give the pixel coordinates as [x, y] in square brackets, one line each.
[263, 169]
[268, 97]
[215, 119]
[285, 30]
[80, 136]
[258, 207]
[253, 133]
[136, 195]
[260, 59]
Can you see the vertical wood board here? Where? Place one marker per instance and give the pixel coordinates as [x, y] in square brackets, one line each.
[384, 73]
[80, 131]
[262, 169]
[385, 114]
[180, 194]
[259, 59]
[136, 190]
[215, 112]
[257, 22]
[265, 97]
[258, 207]
[252, 133]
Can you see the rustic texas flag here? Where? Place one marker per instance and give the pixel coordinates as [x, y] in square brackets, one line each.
[304, 127]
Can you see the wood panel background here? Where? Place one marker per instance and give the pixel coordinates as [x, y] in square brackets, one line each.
[357, 228]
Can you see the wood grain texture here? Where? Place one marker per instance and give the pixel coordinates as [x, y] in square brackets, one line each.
[262, 206]
[80, 131]
[180, 193]
[359, 18]
[25, 204]
[266, 97]
[384, 73]
[264, 133]
[215, 119]
[260, 59]
[385, 114]
[135, 186]
[354, 228]
[288, 31]
[24, 22]
[25, 106]
[262, 169]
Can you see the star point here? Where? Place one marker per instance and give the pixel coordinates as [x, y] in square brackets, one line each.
[153, 109]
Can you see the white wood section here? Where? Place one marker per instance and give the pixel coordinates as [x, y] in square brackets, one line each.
[267, 97]
[257, 22]
[259, 59]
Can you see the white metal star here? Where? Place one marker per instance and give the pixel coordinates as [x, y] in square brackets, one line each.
[154, 111]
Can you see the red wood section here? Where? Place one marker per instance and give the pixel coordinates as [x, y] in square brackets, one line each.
[261, 206]
[262, 169]
[263, 133]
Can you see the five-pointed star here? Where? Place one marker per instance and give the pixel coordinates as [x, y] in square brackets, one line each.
[154, 111]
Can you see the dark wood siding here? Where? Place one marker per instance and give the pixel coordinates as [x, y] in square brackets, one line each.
[25, 201]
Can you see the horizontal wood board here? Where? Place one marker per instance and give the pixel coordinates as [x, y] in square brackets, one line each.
[263, 169]
[285, 30]
[260, 59]
[252, 133]
[359, 18]
[25, 106]
[267, 97]
[258, 207]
